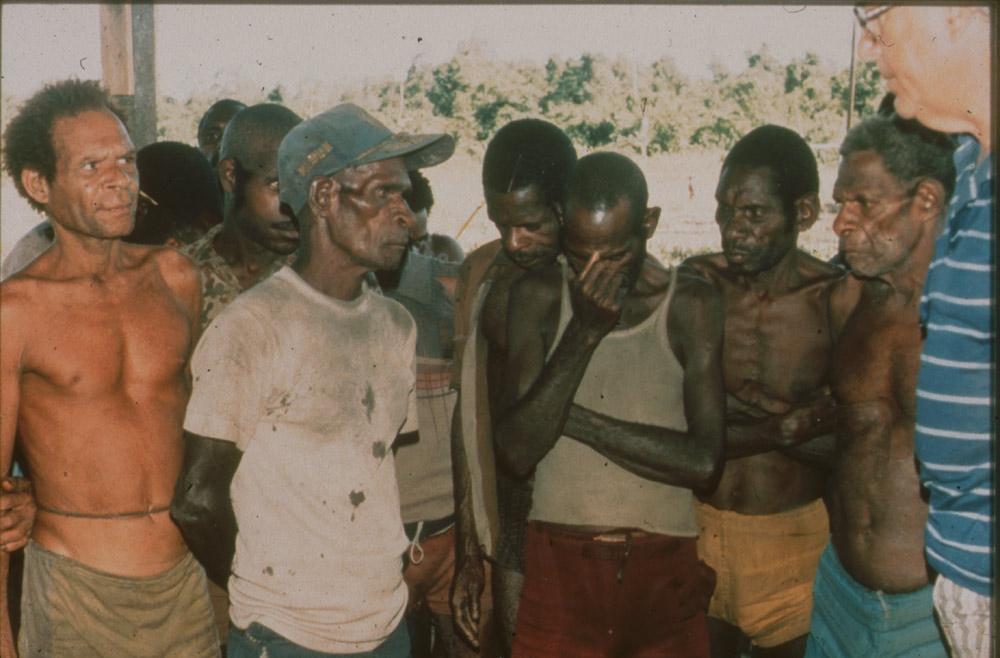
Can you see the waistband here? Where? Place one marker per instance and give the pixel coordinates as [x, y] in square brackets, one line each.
[864, 603]
[35, 551]
[417, 530]
[89, 515]
[612, 545]
[811, 510]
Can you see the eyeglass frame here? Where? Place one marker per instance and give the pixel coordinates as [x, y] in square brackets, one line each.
[866, 16]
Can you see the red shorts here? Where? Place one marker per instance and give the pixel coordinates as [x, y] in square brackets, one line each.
[632, 594]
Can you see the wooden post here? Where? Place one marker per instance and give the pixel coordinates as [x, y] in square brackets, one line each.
[128, 69]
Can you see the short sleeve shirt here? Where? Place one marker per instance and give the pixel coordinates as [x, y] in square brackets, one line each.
[313, 391]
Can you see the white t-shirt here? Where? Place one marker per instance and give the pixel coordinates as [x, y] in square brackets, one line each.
[313, 391]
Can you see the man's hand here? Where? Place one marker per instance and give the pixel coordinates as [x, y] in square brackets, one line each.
[597, 294]
[761, 396]
[466, 591]
[17, 513]
[810, 420]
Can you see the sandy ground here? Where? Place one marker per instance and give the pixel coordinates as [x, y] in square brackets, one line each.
[682, 185]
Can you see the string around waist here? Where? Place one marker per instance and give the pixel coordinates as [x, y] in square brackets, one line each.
[89, 515]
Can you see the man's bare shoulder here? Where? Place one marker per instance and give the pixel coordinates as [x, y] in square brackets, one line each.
[695, 287]
[479, 259]
[711, 266]
[178, 271]
[813, 270]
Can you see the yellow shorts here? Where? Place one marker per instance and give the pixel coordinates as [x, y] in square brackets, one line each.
[765, 566]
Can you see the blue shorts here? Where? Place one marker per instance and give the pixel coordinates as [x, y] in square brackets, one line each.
[851, 621]
[258, 641]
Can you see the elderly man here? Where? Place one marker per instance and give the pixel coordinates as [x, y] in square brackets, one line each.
[937, 61]
[872, 592]
[93, 383]
[302, 386]
[615, 373]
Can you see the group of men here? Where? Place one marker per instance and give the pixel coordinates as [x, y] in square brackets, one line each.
[559, 447]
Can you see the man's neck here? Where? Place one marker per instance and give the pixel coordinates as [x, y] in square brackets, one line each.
[243, 254]
[80, 255]
[334, 277]
[777, 280]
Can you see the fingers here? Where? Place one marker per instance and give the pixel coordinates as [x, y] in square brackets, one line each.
[602, 283]
[14, 484]
[594, 257]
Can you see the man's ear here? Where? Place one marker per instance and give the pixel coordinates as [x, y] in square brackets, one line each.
[650, 219]
[324, 195]
[928, 199]
[806, 211]
[227, 175]
[36, 185]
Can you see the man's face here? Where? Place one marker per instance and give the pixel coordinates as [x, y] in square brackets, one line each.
[210, 134]
[96, 184]
[909, 44]
[258, 210]
[529, 227]
[373, 222]
[606, 234]
[876, 230]
[756, 233]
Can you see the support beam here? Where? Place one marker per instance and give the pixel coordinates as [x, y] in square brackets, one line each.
[128, 50]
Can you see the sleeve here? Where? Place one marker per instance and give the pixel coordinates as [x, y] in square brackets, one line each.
[229, 368]
[411, 424]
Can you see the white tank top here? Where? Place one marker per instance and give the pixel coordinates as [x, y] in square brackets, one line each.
[634, 376]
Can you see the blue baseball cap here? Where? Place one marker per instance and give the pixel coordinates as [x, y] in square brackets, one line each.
[348, 136]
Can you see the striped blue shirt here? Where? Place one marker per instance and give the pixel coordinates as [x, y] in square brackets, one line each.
[954, 389]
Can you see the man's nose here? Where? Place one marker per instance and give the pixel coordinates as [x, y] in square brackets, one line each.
[844, 222]
[517, 238]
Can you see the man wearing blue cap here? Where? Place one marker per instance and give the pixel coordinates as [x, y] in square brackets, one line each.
[302, 385]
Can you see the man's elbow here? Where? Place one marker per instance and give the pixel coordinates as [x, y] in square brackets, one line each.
[190, 512]
[710, 466]
[509, 458]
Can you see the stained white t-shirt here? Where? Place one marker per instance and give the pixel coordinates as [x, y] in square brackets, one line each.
[313, 391]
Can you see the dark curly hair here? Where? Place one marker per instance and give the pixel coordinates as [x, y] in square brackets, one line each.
[27, 141]
[529, 152]
[420, 196]
[785, 153]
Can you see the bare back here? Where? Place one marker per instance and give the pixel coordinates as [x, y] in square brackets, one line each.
[95, 373]
[781, 343]
[877, 515]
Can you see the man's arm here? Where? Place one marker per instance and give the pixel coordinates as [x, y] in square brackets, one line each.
[544, 391]
[11, 345]
[201, 506]
[470, 578]
[683, 458]
[750, 434]
[17, 513]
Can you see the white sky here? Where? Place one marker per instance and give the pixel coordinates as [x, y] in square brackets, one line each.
[201, 44]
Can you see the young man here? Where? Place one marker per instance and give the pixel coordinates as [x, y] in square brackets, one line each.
[435, 245]
[213, 124]
[93, 382]
[872, 591]
[763, 528]
[255, 238]
[603, 349]
[525, 170]
[302, 386]
[937, 60]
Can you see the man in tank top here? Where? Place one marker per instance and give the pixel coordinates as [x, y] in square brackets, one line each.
[614, 367]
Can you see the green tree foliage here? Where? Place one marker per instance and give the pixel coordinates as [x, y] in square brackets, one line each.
[601, 102]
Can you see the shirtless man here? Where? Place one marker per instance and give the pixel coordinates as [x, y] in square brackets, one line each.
[873, 594]
[525, 170]
[765, 525]
[611, 566]
[93, 382]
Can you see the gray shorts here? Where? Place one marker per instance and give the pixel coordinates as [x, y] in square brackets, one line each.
[69, 609]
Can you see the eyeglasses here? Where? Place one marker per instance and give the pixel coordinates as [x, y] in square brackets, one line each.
[868, 14]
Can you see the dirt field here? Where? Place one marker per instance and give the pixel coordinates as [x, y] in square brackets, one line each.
[682, 185]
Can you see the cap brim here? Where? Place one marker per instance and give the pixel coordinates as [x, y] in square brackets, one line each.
[419, 151]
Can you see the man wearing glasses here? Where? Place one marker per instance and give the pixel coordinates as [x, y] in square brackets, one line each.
[936, 60]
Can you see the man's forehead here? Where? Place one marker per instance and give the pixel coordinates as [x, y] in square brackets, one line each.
[92, 128]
